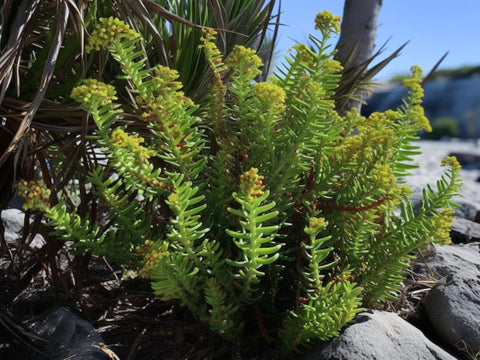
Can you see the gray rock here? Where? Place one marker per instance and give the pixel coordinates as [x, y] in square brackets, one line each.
[453, 308]
[450, 259]
[69, 336]
[453, 304]
[464, 231]
[13, 220]
[468, 209]
[379, 335]
[13, 223]
[468, 161]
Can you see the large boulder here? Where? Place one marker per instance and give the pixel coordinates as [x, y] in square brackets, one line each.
[450, 259]
[379, 335]
[453, 308]
[453, 304]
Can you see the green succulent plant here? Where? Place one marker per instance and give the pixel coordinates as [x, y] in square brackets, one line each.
[263, 209]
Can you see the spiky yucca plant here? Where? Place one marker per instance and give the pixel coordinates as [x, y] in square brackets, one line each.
[32, 58]
[269, 212]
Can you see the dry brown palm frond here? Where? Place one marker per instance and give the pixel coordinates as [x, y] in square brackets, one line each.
[20, 40]
[434, 68]
[356, 79]
[356, 82]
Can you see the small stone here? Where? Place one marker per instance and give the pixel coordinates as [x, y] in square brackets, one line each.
[13, 220]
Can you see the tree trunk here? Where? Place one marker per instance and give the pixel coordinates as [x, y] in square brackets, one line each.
[357, 38]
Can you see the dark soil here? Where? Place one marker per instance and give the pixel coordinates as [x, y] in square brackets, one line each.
[133, 322]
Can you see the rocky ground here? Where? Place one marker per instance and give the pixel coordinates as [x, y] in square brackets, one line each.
[467, 152]
[437, 316]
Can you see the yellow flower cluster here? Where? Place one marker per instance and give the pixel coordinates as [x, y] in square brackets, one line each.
[166, 83]
[310, 88]
[152, 253]
[107, 30]
[327, 23]
[167, 97]
[270, 96]
[215, 59]
[35, 193]
[315, 225]
[451, 162]
[383, 178]
[251, 184]
[403, 191]
[304, 54]
[378, 128]
[420, 118]
[244, 61]
[391, 115]
[350, 148]
[132, 143]
[93, 93]
[209, 37]
[442, 225]
[164, 76]
[332, 66]
[414, 86]
[413, 83]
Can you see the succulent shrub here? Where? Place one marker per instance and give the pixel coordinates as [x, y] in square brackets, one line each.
[263, 210]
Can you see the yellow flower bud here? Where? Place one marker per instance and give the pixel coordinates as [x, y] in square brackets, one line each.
[251, 184]
[244, 61]
[270, 96]
[327, 23]
[106, 31]
[93, 93]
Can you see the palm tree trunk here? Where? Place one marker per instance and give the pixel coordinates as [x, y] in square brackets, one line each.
[357, 38]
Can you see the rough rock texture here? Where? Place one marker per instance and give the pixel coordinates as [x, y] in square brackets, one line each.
[450, 259]
[453, 304]
[464, 231]
[13, 222]
[468, 210]
[379, 335]
[453, 308]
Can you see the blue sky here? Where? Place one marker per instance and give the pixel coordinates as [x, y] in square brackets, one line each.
[432, 28]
